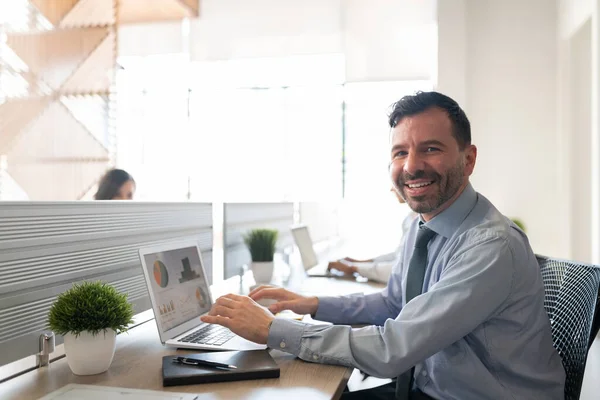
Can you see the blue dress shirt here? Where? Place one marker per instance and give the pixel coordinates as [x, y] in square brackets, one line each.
[478, 331]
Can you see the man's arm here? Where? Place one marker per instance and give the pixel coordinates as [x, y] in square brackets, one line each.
[472, 288]
[372, 309]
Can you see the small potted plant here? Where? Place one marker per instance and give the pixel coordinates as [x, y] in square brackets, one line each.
[89, 316]
[261, 244]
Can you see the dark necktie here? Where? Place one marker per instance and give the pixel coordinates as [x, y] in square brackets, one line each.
[414, 287]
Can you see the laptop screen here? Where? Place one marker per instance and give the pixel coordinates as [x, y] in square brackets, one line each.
[305, 246]
[179, 286]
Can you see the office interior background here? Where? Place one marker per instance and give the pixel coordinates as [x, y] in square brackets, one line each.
[280, 100]
[269, 100]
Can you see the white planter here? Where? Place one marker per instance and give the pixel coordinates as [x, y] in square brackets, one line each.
[262, 271]
[90, 355]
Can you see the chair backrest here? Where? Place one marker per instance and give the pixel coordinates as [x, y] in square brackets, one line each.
[571, 292]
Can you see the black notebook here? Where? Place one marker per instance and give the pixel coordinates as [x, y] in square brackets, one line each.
[251, 364]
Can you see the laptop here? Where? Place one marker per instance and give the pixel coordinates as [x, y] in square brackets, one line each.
[180, 294]
[309, 258]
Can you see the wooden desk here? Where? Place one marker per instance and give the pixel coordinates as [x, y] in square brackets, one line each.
[137, 364]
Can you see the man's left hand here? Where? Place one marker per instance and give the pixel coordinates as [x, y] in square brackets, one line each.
[343, 267]
[242, 315]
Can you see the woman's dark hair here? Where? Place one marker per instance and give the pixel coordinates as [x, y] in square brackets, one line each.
[423, 101]
[111, 183]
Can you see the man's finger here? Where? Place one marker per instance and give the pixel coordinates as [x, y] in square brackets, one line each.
[258, 289]
[262, 293]
[231, 296]
[226, 302]
[221, 310]
[217, 319]
[270, 293]
[280, 306]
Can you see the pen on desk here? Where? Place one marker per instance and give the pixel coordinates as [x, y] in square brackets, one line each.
[196, 362]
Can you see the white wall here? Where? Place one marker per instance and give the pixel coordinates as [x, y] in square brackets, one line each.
[579, 131]
[452, 49]
[508, 85]
[572, 14]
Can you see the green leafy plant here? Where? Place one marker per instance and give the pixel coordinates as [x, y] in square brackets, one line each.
[518, 223]
[90, 306]
[261, 244]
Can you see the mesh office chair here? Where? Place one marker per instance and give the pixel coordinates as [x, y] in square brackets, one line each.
[571, 293]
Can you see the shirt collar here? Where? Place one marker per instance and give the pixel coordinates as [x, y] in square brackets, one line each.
[448, 221]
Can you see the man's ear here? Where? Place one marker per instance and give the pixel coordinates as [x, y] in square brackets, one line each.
[470, 159]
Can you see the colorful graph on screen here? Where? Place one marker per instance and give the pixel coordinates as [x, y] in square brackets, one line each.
[167, 308]
[160, 274]
[187, 274]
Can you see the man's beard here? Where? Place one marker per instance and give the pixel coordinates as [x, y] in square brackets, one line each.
[448, 185]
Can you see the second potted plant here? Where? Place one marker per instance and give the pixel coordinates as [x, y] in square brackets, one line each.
[261, 244]
[89, 316]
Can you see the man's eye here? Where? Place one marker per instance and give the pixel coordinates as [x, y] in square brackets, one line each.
[400, 154]
[432, 149]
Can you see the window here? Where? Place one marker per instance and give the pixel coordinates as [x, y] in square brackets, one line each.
[367, 135]
[267, 129]
[368, 205]
[244, 130]
[152, 126]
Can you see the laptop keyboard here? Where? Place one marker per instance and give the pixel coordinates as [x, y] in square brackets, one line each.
[214, 335]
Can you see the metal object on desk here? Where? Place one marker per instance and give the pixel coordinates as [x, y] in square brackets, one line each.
[45, 348]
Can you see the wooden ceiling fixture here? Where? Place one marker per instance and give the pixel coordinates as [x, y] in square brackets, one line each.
[134, 11]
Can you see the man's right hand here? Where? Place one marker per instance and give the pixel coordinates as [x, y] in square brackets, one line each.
[286, 300]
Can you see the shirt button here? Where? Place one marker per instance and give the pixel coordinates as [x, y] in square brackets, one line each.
[424, 373]
[315, 357]
[282, 344]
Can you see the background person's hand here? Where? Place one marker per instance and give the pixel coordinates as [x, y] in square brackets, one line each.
[286, 300]
[340, 266]
[242, 316]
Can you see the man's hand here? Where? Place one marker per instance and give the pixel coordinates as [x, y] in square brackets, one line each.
[242, 316]
[340, 266]
[286, 300]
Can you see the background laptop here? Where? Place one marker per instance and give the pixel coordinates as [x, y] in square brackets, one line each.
[310, 262]
[180, 294]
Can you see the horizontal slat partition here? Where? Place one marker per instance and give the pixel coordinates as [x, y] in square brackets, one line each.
[45, 247]
[239, 218]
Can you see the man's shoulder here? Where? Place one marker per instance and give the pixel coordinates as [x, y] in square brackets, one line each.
[486, 224]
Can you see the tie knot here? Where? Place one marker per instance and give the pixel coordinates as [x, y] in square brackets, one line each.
[424, 235]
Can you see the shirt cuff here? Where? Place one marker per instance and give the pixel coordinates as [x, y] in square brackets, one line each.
[329, 309]
[286, 335]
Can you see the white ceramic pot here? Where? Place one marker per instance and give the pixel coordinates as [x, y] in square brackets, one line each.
[89, 354]
[262, 271]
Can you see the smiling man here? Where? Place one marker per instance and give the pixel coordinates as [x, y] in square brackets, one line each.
[462, 316]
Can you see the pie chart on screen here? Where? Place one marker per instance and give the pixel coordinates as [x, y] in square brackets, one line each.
[160, 274]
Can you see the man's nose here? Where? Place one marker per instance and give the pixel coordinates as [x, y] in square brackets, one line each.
[413, 163]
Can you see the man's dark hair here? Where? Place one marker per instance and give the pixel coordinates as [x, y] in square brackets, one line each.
[111, 183]
[423, 101]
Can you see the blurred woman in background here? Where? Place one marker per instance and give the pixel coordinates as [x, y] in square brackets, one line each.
[116, 184]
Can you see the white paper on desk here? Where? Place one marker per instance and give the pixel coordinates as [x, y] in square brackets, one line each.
[75, 391]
